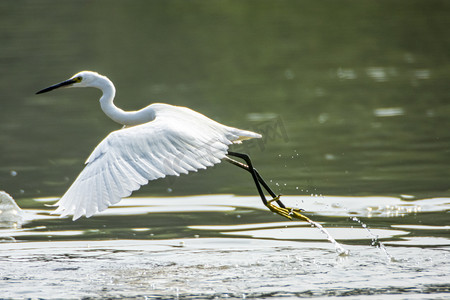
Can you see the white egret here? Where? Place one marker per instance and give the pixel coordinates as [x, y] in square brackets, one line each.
[156, 141]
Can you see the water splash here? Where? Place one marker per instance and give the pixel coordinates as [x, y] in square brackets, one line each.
[375, 242]
[296, 213]
[341, 251]
[11, 216]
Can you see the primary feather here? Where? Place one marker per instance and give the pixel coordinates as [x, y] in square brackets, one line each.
[177, 141]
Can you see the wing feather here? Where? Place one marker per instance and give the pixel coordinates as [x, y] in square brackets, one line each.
[176, 142]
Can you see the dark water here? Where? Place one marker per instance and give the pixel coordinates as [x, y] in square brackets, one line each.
[352, 98]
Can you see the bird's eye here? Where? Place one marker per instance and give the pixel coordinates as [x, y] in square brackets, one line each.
[78, 79]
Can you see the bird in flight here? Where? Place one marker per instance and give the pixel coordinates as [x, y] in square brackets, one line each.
[155, 141]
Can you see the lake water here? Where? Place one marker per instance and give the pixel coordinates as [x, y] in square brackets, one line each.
[352, 98]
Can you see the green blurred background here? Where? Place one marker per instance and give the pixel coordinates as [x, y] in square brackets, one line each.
[351, 96]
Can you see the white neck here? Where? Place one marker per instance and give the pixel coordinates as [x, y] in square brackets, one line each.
[116, 114]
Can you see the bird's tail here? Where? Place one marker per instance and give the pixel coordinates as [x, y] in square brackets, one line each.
[242, 135]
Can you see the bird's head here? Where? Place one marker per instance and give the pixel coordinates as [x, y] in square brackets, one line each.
[81, 79]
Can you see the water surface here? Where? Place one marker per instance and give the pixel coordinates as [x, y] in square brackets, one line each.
[352, 98]
[225, 246]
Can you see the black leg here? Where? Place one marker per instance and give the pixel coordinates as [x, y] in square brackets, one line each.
[282, 210]
[255, 175]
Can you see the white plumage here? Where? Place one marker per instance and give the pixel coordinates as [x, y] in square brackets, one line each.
[160, 140]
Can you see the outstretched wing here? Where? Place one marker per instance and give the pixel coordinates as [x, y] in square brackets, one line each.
[126, 159]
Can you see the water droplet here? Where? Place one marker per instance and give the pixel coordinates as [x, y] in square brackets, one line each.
[13, 173]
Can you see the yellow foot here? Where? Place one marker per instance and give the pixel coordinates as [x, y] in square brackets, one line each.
[286, 212]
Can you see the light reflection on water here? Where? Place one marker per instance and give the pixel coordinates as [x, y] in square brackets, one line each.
[215, 215]
[227, 247]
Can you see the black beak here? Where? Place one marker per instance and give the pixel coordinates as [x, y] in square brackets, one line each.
[58, 85]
